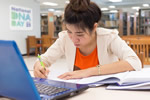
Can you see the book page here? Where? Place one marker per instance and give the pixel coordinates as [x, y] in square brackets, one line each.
[97, 80]
[141, 86]
[135, 77]
[103, 79]
[53, 75]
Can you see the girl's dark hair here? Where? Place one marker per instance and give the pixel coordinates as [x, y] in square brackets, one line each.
[82, 13]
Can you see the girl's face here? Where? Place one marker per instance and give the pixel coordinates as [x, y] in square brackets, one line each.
[79, 37]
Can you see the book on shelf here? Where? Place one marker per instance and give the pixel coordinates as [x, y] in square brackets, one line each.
[132, 78]
[111, 23]
[113, 16]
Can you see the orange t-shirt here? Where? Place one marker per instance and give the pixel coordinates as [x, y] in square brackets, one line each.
[84, 62]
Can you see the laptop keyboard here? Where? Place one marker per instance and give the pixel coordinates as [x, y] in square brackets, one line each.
[49, 90]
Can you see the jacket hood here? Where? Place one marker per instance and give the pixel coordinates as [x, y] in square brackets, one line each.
[104, 31]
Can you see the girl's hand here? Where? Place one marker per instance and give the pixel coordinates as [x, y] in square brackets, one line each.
[39, 71]
[78, 74]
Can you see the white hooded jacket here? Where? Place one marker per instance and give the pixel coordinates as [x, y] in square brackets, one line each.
[110, 48]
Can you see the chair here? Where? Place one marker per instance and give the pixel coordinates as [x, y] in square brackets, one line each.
[32, 43]
[53, 39]
[142, 49]
[46, 42]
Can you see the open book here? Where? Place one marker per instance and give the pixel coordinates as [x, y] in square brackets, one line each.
[123, 79]
[135, 80]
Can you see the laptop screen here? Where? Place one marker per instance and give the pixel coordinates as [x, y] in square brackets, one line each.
[15, 80]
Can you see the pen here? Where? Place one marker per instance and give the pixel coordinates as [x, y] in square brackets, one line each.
[41, 61]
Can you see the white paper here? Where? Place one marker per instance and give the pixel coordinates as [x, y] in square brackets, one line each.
[97, 80]
[125, 78]
[53, 75]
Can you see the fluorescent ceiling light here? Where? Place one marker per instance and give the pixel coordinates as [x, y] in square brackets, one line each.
[114, 11]
[50, 3]
[112, 7]
[115, 0]
[145, 5]
[103, 9]
[137, 13]
[136, 8]
[52, 10]
[44, 14]
[132, 15]
[67, 1]
[58, 11]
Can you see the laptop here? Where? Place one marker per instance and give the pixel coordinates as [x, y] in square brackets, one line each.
[16, 82]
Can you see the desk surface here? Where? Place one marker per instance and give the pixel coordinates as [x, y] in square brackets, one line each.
[100, 93]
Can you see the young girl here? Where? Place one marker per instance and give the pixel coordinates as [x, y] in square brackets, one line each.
[89, 50]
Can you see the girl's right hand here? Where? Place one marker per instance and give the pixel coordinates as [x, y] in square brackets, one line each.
[39, 71]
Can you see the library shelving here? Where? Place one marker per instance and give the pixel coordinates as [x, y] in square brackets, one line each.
[51, 25]
[144, 21]
[130, 23]
[44, 24]
[112, 20]
[58, 25]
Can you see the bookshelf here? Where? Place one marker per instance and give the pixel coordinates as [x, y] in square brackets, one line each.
[58, 25]
[130, 23]
[144, 21]
[125, 23]
[136, 24]
[51, 25]
[112, 20]
[44, 25]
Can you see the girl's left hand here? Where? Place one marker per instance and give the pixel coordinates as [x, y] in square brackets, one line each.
[77, 74]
